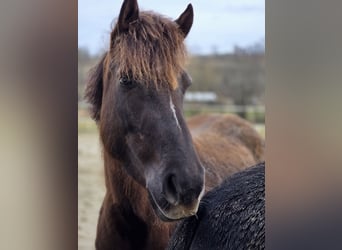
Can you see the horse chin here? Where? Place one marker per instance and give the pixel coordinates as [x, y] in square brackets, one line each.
[174, 213]
[163, 217]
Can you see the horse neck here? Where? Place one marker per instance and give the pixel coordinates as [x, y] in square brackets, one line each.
[123, 188]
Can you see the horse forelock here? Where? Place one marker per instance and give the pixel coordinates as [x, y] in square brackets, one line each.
[151, 51]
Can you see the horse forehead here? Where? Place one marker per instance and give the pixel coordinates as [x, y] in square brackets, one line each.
[153, 51]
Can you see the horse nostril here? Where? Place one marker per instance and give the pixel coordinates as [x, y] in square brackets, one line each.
[170, 189]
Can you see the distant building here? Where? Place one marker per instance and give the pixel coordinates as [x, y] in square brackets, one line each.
[199, 96]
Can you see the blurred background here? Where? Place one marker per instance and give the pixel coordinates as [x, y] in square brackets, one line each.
[226, 47]
[226, 52]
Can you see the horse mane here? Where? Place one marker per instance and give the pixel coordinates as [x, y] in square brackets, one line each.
[151, 51]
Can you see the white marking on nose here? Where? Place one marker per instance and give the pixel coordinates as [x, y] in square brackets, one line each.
[173, 109]
[202, 193]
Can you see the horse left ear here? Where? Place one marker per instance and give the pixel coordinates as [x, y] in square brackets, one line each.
[185, 20]
[129, 13]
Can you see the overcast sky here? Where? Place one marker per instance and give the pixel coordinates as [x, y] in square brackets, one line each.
[218, 25]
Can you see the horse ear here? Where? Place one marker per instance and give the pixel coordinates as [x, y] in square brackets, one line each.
[129, 13]
[94, 89]
[185, 20]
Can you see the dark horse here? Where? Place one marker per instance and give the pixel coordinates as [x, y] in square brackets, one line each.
[153, 171]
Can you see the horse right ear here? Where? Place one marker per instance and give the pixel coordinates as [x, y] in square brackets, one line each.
[94, 89]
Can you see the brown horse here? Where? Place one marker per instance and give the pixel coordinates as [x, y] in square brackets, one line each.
[153, 172]
[225, 144]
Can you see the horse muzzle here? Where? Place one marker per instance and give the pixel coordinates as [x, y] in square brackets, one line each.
[173, 212]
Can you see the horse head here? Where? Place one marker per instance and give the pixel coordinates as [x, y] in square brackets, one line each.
[136, 93]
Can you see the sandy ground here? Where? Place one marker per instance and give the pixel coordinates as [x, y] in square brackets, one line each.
[90, 188]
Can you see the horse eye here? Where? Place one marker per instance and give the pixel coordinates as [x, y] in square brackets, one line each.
[125, 81]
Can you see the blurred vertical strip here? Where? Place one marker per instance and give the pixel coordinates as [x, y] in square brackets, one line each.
[38, 124]
[303, 124]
